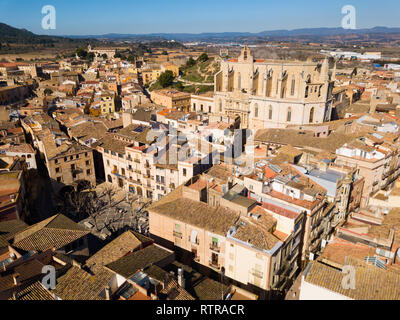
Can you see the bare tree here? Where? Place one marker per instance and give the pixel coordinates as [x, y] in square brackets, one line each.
[109, 191]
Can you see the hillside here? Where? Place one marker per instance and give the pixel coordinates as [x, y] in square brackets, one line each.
[13, 35]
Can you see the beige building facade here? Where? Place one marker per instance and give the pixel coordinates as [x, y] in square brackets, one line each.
[273, 94]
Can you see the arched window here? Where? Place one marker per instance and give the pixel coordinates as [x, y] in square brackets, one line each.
[311, 120]
[289, 114]
[270, 113]
[293, 86]
[256, 110]
[306, 95]
[109, 178]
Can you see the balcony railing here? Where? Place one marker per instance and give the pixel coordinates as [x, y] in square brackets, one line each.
[257, 273]
[215, 248]
[178, 234]
[214, 264]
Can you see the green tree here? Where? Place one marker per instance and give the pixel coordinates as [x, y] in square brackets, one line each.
[166, 78]
[191, 62]
[90, 56]
[203, 57]
[48, 92]
[81, 52]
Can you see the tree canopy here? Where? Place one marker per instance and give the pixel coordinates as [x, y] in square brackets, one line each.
[166, 78]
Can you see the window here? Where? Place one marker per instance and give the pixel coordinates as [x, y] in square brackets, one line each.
[71, 158]
[215, 242]
[293, 86]
[57, 169]
[184, 172]
[29, 156]
[270, 113]
[86, 154]
[256, 110]
[56, 161]
[88, 171]
[289, 114]
[177, 228]
[162, 180]
[72, 167]
[311, 120]
[306, 95]
[113, 153]
[77, 156]
[123, 171]
[88, 162]
[59, 179]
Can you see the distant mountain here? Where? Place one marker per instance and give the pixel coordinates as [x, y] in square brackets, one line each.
[315, 32]
[22, 36]
[14, 35]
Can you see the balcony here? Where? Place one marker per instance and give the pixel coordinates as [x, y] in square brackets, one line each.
[257, 273]
[137, 160]
[215, 248]
[214, 264]
[178, 234]
[195, 243]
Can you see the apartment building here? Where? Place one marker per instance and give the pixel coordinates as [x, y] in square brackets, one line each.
[24, 151]
[245, 244]
[68, 162]
[13, 204]
[284, 185]
[377, 162]
[171, 99]
[151, 163]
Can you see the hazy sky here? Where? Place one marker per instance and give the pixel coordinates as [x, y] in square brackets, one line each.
[187, 16]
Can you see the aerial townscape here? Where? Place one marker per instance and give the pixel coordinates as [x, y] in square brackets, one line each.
[188, 167]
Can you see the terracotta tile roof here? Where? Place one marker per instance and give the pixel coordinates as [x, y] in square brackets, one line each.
[198, 214]
[172, 291]
[77, 284]
[289, 136]
[339, 250]
[55, 232]
[129, 265]
[35, 291]
[371, 283]
[116, 249]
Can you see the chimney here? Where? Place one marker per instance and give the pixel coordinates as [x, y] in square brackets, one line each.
[16, 279]
[181, 279]
[108, 293]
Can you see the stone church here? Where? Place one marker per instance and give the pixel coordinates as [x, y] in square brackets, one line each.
[272, 94]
